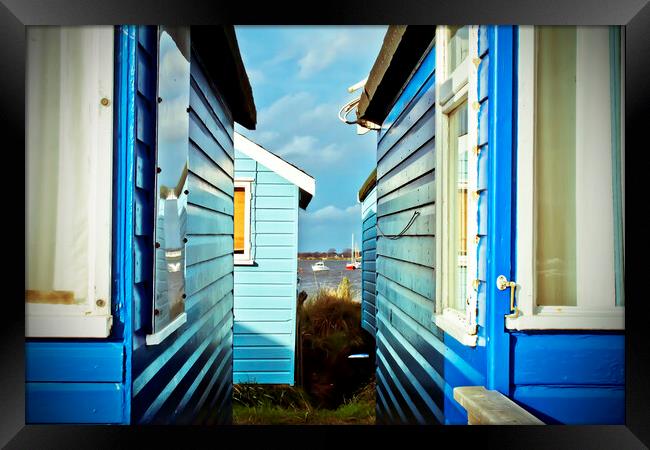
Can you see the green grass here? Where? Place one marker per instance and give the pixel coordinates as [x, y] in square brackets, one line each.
[285, 405]
[335, 390]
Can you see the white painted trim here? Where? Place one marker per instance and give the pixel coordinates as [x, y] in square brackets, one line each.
[244, 262]
[69, 324]
[454, 326]
[459, 324]
[275, 163]
[570, 318]
[158, 337]
[593, 311]
[245, 258]
[525, 220]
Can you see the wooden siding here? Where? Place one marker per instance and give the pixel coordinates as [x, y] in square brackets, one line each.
[418, 365]
[410, 386]
[368, 261]
[265, 293]
[187, 378]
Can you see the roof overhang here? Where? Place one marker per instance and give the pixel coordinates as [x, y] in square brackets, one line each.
[304, 181]
[218, 51]
[367, 186]
[403, 47]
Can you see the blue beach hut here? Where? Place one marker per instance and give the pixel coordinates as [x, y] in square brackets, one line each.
[367, 196]
[268, 193]
[499, 223]
[129, 176]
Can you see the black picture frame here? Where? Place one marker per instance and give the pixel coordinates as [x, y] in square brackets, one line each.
[634, 14]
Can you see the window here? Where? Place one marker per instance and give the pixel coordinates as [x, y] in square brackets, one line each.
[456, 126]
[171, 182]
[242, 222]
[69, 181]
[570, 167]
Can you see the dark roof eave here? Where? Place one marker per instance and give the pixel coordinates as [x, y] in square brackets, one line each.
[219, 53]
[402, 49]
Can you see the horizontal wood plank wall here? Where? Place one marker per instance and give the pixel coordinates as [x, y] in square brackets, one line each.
[187, 378]
[410, 383]
[368, 261]
[265, 293]
[418, 365]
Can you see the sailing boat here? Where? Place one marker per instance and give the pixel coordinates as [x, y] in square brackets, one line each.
[353, 264]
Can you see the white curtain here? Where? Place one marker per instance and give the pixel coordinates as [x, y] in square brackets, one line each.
[69, 120]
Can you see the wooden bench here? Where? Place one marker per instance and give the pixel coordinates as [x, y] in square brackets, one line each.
[491, 408]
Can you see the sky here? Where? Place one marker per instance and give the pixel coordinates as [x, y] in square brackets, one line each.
[299, 76]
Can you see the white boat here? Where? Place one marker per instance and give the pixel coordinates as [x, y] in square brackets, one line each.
[319, 267]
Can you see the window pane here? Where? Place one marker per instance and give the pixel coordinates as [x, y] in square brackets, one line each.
[458, 146]
[458, 47]
[239, 219]
[555, 168]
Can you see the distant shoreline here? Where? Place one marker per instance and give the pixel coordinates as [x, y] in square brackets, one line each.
[331, 258]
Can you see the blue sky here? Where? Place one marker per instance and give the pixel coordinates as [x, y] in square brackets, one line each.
[300, 77]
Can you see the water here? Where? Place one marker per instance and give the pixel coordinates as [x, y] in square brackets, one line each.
[310, 281]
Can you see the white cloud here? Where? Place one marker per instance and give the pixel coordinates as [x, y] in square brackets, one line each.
[307, 152]
[333, 213]
[321, 54]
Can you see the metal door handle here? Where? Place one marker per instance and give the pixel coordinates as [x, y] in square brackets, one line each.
[502, 285]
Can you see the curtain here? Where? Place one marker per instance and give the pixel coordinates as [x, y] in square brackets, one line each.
[69, 160]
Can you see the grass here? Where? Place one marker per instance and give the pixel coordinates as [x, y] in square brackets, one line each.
[286, 405]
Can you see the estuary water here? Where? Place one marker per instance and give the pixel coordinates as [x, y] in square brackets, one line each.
[310, 281]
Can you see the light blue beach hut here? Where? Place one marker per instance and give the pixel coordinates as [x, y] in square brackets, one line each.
[268, 193]
[500, 255]
[129, 277]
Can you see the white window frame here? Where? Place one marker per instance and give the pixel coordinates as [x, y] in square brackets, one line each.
[245, 259]
[599, 317]
[91, 319]
[460, 325]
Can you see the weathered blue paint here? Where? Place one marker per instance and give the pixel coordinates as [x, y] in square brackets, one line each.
[568, 359]
[74, 361]
[574, 405]
[123, 206]
[265, 293]
[368, 261]
[100, 403]
[187, 377]
[500, 202]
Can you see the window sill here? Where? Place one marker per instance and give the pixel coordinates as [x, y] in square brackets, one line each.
[569, 318]
[451, 323]
[244, 262]
[157, 338]
[67, 326]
